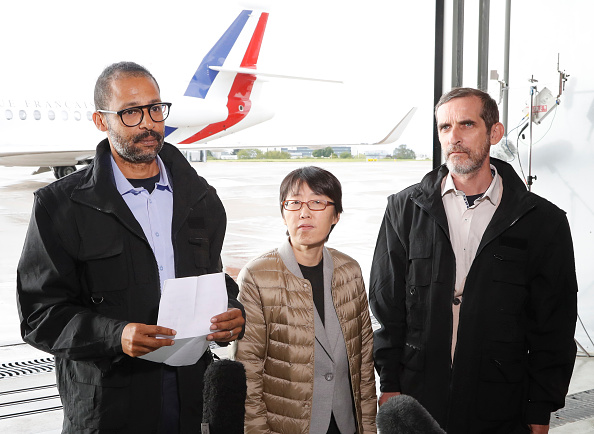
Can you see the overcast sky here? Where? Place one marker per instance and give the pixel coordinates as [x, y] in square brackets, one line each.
[382, 50]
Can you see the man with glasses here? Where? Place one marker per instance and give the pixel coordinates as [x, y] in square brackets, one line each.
[100, 244]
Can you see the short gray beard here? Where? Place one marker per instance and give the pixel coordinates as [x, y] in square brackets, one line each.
[474, 163]
[127, 150]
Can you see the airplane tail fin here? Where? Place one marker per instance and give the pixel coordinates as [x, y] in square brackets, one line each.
[239, 47]
[398, 129]
[236, 52]
[226, 79]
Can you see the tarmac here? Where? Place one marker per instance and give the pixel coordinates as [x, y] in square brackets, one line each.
[249, 191]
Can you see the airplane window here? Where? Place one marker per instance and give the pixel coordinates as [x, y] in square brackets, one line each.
[8, 114]
[64, 115]
[37, 115]
[51, 115]
[77, 116]
[89, 116]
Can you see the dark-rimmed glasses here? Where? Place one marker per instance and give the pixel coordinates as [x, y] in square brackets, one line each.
[314, 205]
[133, 116]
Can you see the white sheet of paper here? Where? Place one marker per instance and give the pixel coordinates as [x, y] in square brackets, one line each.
[187, 305]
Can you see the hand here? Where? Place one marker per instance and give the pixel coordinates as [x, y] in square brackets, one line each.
[140, 339]
[385, 396]
[228, 325]
[539, 429]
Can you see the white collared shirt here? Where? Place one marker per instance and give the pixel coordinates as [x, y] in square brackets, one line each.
[467, 226]
[154, 213]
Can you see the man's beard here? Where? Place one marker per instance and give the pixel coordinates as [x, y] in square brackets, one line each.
[472, 164]
[127, 149]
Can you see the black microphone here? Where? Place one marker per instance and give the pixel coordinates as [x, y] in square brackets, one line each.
[224, 395]
[402, 414]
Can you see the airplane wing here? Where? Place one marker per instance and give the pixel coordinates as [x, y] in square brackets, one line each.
[46, 158]
[270, 74]
[398, 129]
[391, 137]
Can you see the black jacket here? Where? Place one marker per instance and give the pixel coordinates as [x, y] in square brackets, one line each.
[515, 350]
[87, 270]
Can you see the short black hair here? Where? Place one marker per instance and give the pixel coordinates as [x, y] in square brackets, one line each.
[319, 180]
[489, 112]
[112, 72]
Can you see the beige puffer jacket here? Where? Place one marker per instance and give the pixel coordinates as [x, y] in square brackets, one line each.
[278, 347]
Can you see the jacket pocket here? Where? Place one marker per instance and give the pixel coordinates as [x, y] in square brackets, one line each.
[413, 357]
[200, 246]
[417, 284]
[91, 401]
[105, 275]
[501, 387]
[509, 266]
[412, 370]
[419, 265]
[105, 264]
[509, 293]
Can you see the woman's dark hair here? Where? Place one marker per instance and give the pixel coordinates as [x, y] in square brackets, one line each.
[319, 180]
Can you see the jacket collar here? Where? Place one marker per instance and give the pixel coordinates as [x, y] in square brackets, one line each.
[326, 336]
[285, 251]
[97, 187]
[515, 202]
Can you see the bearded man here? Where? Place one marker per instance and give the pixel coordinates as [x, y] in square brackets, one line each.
[100, 244]
[473, 283]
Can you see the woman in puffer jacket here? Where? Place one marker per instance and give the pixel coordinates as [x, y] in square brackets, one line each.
[308, 341]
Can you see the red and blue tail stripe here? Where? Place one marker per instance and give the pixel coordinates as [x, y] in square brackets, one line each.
[238, 100]
[204, 77]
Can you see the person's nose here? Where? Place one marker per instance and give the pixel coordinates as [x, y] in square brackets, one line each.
[304, 212]
[454, 135]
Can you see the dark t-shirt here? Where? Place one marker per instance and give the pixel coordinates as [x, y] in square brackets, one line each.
[147, 183]
[315, 275]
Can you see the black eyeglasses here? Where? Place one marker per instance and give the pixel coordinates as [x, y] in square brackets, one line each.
[314, 205]
[133, 116]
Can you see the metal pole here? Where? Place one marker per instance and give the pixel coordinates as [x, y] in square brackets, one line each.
[483, 45]
[530, 177]
[457, 43]
[438, 75]
[505, 89]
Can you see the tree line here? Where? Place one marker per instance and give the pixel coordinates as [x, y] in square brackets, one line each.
[400, 153]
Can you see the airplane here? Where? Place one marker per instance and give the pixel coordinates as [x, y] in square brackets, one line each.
[220, 99]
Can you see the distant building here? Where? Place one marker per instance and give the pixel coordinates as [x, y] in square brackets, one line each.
[197, 155]
[298, 151]
[376, 153]
[306, 152]
[340, 149]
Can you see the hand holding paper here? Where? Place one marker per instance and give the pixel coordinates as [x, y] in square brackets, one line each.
[226, 326]
[187, 306]
[139, 339]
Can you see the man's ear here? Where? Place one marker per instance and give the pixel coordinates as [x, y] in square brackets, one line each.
[497, 132]
[99, 121]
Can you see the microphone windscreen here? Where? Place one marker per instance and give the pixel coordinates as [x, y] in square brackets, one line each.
[224, 395]
[402, 414]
